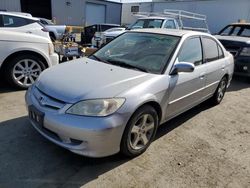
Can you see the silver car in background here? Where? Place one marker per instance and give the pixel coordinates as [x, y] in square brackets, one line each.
[115, 99]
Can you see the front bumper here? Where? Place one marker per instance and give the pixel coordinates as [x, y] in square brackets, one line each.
[54, 59]
[88, 136]
[242, 66]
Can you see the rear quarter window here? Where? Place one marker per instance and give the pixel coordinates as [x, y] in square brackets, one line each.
[212, 50]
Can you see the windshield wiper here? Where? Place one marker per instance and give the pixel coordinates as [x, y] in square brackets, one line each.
[126, 65]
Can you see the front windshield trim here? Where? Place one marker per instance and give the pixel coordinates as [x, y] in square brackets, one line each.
[166, 60]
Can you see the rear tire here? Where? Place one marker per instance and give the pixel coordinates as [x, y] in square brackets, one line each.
[23, 70]
[139, 132]
[220, 91]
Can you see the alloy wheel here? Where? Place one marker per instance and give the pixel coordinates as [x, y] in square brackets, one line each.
[26, 71]
[221, 90]
[142, 131]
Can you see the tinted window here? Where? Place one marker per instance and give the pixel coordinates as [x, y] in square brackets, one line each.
[147, 23]
[226, 31]
[235, 31]
[211, 49]
[191, 51]
[245, 32]
[238, 30]
[170, 24]
[13, 21]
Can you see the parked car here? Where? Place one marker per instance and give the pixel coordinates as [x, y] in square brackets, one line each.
[115, 99]
[56, 32]
[236, 39]
[22, 23]
[169, 19]
[106, 36]
[24, 56]
[94, 31]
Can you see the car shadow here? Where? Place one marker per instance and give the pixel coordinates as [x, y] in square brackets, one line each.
[181, 119]
[6, 88]
[238, 83]
[29, 160]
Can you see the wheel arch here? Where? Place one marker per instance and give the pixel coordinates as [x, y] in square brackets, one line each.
[154, 105]
[23, 52]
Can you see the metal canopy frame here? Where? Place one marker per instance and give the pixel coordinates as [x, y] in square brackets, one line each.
[178, 15]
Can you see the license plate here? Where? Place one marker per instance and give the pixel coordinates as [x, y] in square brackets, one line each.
[36, 115]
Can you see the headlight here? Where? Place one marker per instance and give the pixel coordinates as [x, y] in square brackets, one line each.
[96, 107]
[245, 51]
[51, 48]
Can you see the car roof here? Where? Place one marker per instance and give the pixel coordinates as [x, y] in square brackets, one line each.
[104, 24]
[153, 17]
[18, 14]
[241, 24]
[174, 32]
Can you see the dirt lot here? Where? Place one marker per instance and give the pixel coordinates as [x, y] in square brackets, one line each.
[205, 147]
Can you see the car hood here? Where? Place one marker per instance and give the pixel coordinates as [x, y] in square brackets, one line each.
[113, 33]
[245, 40]
[88, 79]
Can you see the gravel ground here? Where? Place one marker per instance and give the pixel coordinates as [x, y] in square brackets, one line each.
[205, 147]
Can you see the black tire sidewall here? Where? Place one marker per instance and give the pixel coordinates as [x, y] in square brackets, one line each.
[125, 145]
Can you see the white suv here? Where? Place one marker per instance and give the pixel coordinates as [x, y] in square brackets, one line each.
[24, 56]
[22, 23]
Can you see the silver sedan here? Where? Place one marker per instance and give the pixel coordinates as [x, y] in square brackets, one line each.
[114, 100]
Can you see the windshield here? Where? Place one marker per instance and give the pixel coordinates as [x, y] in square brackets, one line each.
[146, 52]
[46, 22]
[236, 30]
[146, 23]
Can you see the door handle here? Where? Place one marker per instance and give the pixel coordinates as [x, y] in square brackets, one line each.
[202, 75]
[29, 32]
[223, 67]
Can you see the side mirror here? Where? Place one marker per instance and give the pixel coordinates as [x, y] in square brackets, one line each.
[182, 67]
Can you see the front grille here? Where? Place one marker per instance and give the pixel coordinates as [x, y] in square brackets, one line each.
[48, 101]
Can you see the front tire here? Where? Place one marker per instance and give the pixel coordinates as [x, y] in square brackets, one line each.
[139, 132]
[23, 70]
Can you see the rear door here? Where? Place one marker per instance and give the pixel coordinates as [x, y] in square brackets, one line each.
[214, 62]
[186, 89]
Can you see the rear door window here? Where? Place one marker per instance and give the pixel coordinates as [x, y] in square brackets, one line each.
[191, 51]
[13, 21]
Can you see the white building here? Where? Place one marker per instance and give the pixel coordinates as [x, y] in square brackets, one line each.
[219, 12]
